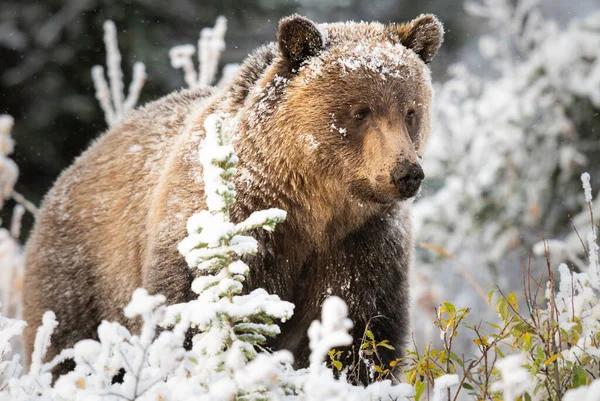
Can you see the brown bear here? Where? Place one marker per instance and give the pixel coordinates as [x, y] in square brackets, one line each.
[329, 124]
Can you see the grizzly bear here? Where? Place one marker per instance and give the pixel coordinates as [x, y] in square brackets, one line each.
[329, 124]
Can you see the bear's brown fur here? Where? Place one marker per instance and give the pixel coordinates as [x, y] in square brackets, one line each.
[329, 125]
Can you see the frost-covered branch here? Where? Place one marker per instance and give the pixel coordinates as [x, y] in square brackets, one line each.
[111, 96]
[9, 172]
[210, 47]
[11, 253]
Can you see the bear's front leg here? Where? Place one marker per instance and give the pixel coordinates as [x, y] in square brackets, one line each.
[370, 271]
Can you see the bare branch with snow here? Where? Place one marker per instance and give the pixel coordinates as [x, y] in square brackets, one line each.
[210, 47]
[111, 96]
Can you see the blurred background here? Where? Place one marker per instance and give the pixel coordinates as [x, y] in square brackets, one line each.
[517, 120]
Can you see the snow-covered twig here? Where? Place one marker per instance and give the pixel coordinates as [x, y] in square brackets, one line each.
[515, 379]
[330, 332]
[9, 172]
[111, 97]
[210, 47]
[11, 253]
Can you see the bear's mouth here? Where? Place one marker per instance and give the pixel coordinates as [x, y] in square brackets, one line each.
[408, 189]
[363, 190]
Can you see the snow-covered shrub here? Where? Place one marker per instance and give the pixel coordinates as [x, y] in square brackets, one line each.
[547, 350]
[11, 253]
[507, 146]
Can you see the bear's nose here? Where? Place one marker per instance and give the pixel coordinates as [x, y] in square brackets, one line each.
[407, 178]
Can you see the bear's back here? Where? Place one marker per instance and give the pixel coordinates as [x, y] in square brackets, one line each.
[87, 247]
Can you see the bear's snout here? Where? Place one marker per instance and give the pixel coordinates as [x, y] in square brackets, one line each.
[407, 178]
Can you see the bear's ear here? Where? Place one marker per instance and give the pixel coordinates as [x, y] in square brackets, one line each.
[298, 39]
[423, 35]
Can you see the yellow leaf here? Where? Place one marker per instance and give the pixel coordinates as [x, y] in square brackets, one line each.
[550, 360]
[481, 341]
[527, 341]
[512, 301]
[81, 383]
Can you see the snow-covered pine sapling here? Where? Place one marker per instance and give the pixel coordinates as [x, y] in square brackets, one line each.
[110, 96]
[230, 324]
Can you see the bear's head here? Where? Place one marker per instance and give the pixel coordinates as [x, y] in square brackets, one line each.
[351, 103]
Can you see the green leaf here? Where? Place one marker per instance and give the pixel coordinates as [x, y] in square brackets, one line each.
[419, 389]
[385, 345]
[370, 335]
[580, 376]
[449, 307]
[539, 353]
[527, 397]
[502, 308]
[338, 365]
[490, 296]
[467, 386]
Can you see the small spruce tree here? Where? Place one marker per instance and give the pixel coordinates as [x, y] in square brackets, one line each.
[231, 325]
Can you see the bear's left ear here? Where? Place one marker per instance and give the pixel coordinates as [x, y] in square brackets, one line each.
[298, 39]
[423, 35]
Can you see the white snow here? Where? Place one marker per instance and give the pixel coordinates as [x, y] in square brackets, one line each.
[442, 383]
[515, 379]
[587, 189]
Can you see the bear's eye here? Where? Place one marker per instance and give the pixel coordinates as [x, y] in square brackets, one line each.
[410, 116]
[361, 113]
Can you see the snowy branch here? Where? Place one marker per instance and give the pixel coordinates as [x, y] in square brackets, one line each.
[210, 47]
[111, 96]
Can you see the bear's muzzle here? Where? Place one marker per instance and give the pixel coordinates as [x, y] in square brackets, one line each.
[407, 178]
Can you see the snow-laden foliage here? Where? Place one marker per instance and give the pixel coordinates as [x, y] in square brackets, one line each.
[547, 350]
[507, 147]
[9, 172]
[567, 328]
[11, 253]
[110, 96]
[10, 366]
[210, 46]
[227, 359]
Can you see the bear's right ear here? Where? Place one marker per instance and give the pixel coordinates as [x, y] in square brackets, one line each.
[298, 39]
